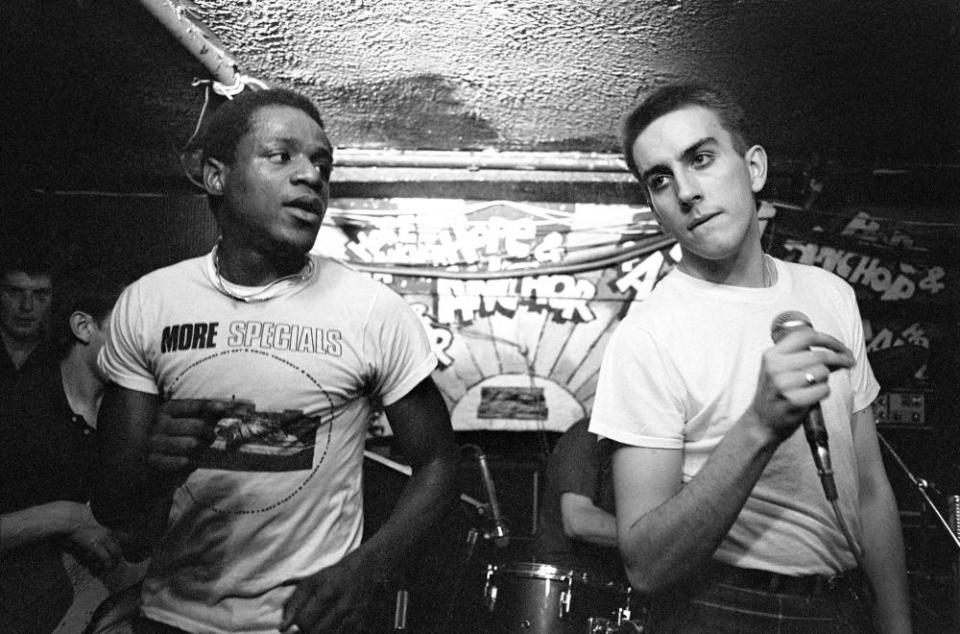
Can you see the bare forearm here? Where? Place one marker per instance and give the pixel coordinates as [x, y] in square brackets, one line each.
[129, 496]
[585, 522]
[599, 528]
[670, 541]
[885, 562]
[40, 522]
[426, 498]
[138, 508]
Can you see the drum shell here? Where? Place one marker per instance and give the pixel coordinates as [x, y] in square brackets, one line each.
[532, 598]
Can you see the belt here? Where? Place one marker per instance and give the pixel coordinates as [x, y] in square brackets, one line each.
[849, 582]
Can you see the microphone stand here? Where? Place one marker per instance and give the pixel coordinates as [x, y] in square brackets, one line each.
[952, 526]
[922, 486]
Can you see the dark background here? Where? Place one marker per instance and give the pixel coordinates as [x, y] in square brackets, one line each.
[861, 96]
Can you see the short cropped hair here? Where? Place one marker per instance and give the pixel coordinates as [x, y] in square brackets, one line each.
[91, 292]
[676, 96]
[32, 259]
[234, 117]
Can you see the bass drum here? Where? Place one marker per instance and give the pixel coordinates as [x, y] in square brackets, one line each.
[531, 598]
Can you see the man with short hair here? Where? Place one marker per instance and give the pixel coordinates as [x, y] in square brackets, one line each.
[245, 383]
[48, 445]
[721, 518]
[26, 292]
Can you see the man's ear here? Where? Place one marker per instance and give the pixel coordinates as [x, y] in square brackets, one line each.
[214, 175]
[82, 325]
[756, 158]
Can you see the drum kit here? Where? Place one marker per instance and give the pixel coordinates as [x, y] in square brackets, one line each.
[496, 595]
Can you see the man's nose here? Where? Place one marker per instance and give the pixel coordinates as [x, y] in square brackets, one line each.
[307, 172]
[27, 302]
[688, 189]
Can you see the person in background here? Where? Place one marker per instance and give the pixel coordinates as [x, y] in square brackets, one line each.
[731, 529]
[233, 433]
[26, 293]
[577, 528]
[47, 440]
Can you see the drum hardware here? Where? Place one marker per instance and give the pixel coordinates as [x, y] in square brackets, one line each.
[400, 613]
[565, 597]
[490, 591]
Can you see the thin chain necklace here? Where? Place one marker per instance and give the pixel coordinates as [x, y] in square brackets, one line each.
[261, 294]
[767, 275]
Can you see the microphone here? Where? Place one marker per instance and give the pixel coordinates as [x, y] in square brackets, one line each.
[813, 426]
[500, 534]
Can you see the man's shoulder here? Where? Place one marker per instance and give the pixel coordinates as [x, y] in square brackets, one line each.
[813, 277]
[351, 284]
[809, 271]
[332, 269]
[659, 305]
[171, 273]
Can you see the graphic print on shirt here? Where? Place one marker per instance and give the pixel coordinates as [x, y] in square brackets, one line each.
[258, 366]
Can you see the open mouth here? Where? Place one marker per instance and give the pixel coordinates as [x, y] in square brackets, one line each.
[309, 204]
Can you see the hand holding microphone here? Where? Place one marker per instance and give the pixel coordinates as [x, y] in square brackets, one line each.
[812, 382]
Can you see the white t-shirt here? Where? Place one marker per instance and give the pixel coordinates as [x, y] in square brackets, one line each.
[279, 494]
[682, 368]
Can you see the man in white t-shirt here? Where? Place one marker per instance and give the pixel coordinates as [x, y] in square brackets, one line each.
[244, 383]
[721, 517]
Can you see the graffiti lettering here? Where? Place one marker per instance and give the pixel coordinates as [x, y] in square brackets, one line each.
[931, 282]
[868, 271]
[565, 295]
[440, 337]
[640, 275]
[643, 275]
[914, 334]
[422, 241]
[864, 227]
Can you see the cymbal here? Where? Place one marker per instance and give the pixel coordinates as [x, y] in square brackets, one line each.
[897, 365]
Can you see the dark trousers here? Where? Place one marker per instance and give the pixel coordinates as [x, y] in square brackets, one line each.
[731, 600]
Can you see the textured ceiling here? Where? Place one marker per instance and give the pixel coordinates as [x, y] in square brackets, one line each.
[99, 93]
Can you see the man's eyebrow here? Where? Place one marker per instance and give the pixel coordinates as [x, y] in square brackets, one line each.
[296, 142]
[656, 169]
[685, 156]
[691, 151]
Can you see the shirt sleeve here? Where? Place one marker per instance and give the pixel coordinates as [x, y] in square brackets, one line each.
[576, 457]
[865, 385]
[398, 341]
[639, 394]
[123, 359]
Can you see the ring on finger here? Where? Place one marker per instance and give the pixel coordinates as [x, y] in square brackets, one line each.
[809, 378]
